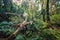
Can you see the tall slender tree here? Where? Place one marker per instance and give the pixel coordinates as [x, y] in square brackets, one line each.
[47, 11]
[43, 11]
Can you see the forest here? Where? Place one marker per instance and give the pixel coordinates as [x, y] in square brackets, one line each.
[29, 19]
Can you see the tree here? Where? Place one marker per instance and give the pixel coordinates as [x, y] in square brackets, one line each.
[43, 10]
[47, 11]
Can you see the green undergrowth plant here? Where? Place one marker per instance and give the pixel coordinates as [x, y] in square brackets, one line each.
[35, 31]
[55, 19]
[32, 34]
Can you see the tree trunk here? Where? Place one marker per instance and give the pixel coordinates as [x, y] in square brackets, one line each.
[43, 11]
[47, 10]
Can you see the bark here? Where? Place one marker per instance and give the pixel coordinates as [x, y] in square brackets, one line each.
[47, 10]
[43, 13]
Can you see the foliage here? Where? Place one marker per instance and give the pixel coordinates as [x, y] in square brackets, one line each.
[55, 19]
[32, 33]
[38, 30]
[16, 19]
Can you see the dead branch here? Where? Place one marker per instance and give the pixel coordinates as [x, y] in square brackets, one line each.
[21, 25]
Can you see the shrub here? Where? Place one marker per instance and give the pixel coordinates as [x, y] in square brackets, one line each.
[55, 19]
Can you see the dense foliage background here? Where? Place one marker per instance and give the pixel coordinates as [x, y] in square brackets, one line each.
[44, 14]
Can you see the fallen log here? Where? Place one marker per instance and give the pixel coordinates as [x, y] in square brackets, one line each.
[21, 25]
